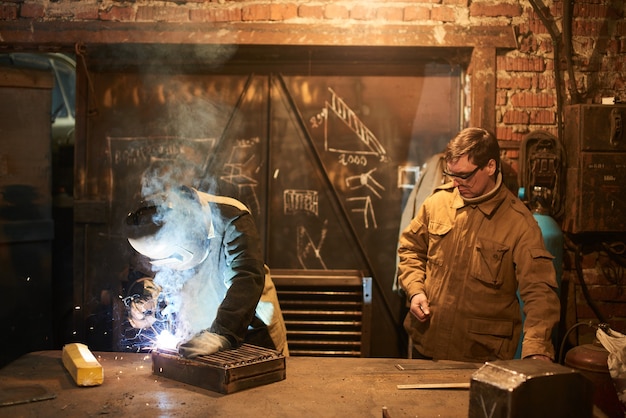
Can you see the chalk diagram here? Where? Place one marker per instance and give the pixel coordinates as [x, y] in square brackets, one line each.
[309, 252]
[241, 168]
[370, 145]
[365, 144]
[295, 201]
[305, 201]
[365, 181]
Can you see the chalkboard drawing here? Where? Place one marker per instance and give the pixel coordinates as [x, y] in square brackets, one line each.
[366, 209]
[408, 176]
[352, 121]
[158, 163]
[308, 252]
[295, 201]
[240, 168]
[365, 180]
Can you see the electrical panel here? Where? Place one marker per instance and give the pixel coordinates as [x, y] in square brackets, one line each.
[595, 191]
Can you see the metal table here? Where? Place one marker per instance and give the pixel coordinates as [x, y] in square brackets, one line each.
[314, 387]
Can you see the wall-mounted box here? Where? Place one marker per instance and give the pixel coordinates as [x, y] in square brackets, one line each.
[595, 192]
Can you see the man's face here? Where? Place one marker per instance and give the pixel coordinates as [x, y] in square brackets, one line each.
[471, 180]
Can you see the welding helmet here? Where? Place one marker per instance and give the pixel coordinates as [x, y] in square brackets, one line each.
[171, 229]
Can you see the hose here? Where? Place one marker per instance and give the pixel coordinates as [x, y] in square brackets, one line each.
[603, 326]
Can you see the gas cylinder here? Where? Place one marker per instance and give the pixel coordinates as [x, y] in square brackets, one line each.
[552, 239]
[554, 242]
[551, 232]
[591, 361]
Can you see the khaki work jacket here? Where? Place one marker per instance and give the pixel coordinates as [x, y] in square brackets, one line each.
[470, 260]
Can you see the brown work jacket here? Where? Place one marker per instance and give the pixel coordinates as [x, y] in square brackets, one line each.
[470, 260]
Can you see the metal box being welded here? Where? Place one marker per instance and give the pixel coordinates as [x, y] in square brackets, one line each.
[226, 371]
[529, 388]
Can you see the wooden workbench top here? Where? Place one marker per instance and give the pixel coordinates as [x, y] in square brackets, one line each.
[314, 387]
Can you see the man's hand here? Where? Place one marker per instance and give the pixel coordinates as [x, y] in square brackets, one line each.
[539, 357]
[420, 307]
[202, 344]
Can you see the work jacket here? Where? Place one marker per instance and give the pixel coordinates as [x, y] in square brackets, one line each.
[470, 260]
[231, 292]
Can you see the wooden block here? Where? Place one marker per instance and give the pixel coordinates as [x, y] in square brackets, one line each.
[82, 365]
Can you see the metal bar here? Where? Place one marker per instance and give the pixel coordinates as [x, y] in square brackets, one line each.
[438, 366]
[454, 385]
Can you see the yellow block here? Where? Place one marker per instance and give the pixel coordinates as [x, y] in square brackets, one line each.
[82, 365]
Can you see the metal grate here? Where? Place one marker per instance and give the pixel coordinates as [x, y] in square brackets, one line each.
[326, 312]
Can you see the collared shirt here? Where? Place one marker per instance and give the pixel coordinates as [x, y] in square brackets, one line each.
[471, 260]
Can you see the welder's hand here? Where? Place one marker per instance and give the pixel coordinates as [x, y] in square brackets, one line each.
[141, 312]
[202, 344]
[420, 307]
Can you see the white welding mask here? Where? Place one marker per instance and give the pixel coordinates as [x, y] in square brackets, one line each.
[172, 230]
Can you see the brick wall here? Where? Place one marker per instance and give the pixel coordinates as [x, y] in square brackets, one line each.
[526, 90]
[527, 97]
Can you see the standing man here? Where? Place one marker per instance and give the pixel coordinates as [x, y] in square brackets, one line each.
[472, 246]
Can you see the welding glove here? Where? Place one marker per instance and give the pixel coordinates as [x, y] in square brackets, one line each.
[615, 343]
[202, 344]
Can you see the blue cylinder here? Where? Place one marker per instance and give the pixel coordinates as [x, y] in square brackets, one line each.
[554, 243]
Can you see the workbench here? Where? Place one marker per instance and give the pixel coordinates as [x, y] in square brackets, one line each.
[313, 387]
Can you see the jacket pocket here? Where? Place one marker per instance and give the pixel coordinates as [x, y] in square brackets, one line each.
[488, 339]
[436, 254]
[487, 261]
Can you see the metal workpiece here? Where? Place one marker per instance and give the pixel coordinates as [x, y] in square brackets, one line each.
[529, 388]
[226, 371]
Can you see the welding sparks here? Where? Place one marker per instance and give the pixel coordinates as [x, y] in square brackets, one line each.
[167, 340]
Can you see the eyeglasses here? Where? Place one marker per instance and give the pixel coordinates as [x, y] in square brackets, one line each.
[464, 176]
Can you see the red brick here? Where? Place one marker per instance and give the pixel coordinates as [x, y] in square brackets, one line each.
[501, 98]
[390, 14]
[32, 10]
[542, 117]
[524, 64]
[459, 3]
[363, 12]
[283, 11]
[589, 28]
[620, 28]
[85, 11]
[335, 11]
[478, 9]
[609, 310]
[118, 14]
[519, 132]
[587, 10]
[504, 133]
[255, 12]
[162, 14]
[515, 82]
[527, 99]
[443, 14]
[311, 11]
[613, 46]
[608, 292]
[516, 117]
[215, 15]
[416, 13]
[535, 26]
[8, 11]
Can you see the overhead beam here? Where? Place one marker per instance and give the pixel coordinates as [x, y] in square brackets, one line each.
[63, 35]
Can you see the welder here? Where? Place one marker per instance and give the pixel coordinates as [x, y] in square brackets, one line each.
[206, 252]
